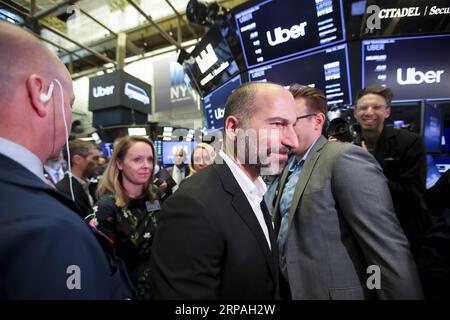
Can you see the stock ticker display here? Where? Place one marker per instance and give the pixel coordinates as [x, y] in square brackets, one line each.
[326, 69]
[415, 68]
[214, 103]
[276, 29]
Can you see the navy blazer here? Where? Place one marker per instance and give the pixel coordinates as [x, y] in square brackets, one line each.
[45, 245]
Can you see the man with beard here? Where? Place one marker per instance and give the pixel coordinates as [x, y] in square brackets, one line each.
[335, 218]
[84, 159]
[215, 239]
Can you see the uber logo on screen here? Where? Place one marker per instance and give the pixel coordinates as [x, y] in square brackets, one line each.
[219, 113]
[206, 59]
[418, 77]
[100, 91]
[284, 35]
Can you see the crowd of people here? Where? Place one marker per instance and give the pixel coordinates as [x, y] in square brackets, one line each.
[213, 228]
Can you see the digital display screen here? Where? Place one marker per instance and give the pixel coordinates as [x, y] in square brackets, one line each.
[327, 70]
[275, 29]
[214, 103]
[403, 17]
[158, 148]
[212, 62]
[432, 128]
[106, 149]
[170, 147]
[415, 68]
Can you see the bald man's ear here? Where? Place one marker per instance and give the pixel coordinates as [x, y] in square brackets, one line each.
[36, 87]
[231, 127]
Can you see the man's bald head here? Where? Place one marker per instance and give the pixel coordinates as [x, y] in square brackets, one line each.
[22, 54]
[27, 71]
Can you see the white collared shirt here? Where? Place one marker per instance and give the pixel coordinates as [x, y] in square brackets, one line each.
[23, 156]
[254, 191]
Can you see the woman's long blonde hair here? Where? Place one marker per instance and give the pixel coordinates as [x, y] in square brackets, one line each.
[111, 181]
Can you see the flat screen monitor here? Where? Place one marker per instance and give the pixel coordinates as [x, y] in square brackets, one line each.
[170, 147]
[276, 29]
[327, 69]
[106, 149]
[214, 103]
[415, 68]
[212, 63]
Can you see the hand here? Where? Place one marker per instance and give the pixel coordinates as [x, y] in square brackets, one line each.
[331, 138]
[364, 145]
[163, 188]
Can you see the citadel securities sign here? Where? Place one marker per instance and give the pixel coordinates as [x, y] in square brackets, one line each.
[429, 13]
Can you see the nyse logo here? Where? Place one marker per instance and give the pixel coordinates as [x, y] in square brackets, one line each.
[206, 59]
[219, 113]
[102, 91]
[284, 35]
[418, 77]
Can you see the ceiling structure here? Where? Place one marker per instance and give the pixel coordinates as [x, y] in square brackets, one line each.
[90, 36]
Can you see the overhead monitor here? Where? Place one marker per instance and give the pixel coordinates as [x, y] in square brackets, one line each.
[137, 131]
[415, 68]
[212, 62]
[214, 103]
[327, 69]
[169, 149]
[381, 18]
[276, 29]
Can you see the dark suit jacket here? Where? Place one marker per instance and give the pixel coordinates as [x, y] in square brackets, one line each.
[402, 156]
[341, 220]
[81, 198]
[436, 259]
[209, 244]
[41, 237]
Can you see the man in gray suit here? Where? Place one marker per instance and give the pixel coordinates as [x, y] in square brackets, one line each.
[338, 235]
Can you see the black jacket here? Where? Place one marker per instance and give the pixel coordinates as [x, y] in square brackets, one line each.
[81, 198]
[209, 244]
[402, 156]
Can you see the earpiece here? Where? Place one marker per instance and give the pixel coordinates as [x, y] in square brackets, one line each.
[46, 97]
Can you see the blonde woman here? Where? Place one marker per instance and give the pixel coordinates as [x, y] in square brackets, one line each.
[202, 156]
[128, 207]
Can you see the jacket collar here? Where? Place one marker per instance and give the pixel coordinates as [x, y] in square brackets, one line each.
[243, 209]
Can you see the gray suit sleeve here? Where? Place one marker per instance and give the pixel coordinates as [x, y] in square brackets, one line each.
[362, 193]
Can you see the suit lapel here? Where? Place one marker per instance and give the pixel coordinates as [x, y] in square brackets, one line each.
[304, 177]
[244, 210]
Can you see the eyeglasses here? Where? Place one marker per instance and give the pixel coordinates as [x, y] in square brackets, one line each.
[306, 116]
[374, 108]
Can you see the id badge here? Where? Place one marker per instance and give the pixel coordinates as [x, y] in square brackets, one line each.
[153, 206]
